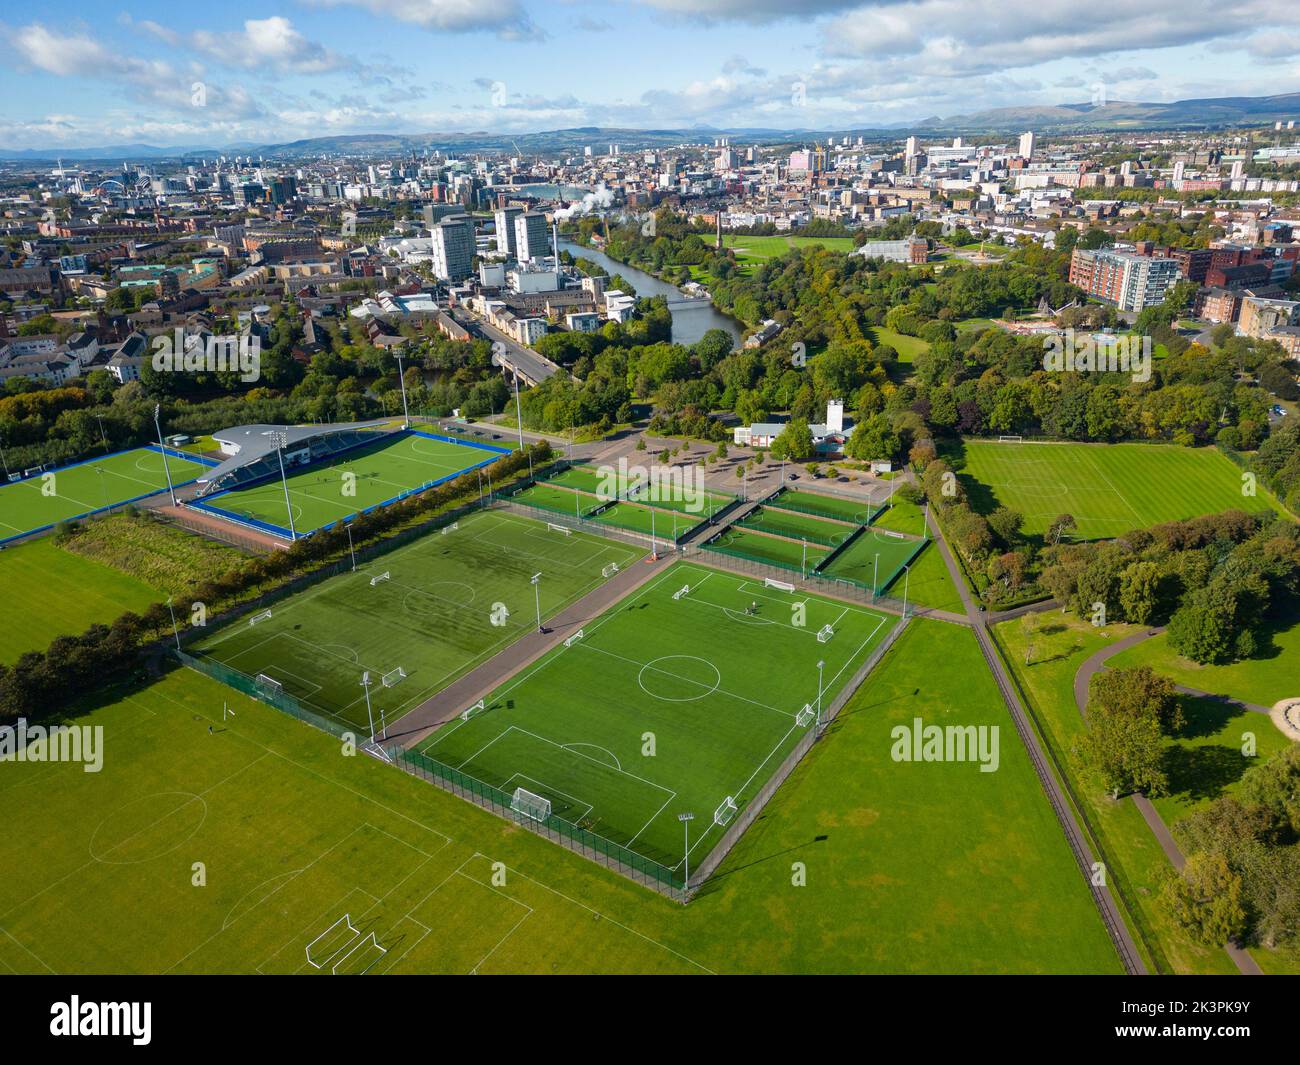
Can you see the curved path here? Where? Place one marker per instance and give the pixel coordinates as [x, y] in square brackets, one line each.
[1093, 665]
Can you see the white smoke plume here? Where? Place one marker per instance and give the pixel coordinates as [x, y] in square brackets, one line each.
[601, 197]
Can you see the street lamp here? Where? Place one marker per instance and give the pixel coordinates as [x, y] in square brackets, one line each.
[537, 599]
[686, 819]
[281, 441]
[157, 410]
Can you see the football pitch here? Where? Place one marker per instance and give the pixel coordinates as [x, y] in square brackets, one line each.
[63, 494]
[449, 601]
[1110, 490]
[875, 560]
[686, 694]
[329, 491]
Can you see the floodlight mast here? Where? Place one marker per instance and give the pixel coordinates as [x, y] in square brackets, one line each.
[686, 819]
[820, 666]
[365, 683]
[536, 581]
[157, 411]
[281, 441]
[401, 378]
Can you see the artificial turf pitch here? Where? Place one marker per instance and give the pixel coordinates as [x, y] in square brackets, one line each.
[326, 492]
[874, 560]
[858, 512]
[450, 602]
[797, 555]
[61, 495]
[797, 526]
[1110, 490]
[663, 706]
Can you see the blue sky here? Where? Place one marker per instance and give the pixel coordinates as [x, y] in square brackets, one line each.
[81, 74]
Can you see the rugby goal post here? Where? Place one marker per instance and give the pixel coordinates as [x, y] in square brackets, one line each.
[380, 577]
[805, 716]
[393, 676]
[563, 530]
[725, 811]
[609, 570]
[477, 708]
[531, 805]
[263, 616]
[784, 586]
[824, 634]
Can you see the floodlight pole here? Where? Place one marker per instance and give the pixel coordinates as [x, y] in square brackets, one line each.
[102, 435]
[686, 819]
[401, 379]
[803, 565]
[875, 576]
[537, 598]
[365, 683]
[157, 410]
[654, 542]
[281, 441]
[103, 488]
[907, 576]
[175, 630]
[820, 664]
[351, 551]
[519, 412]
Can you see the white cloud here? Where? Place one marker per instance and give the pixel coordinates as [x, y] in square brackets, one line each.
[506, 18]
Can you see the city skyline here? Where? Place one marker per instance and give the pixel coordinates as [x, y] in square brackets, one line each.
[80, 77]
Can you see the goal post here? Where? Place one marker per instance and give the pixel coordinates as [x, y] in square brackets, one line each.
[477, 708]
[380, 577]
[824, 634]
[684, 590]
[725, 812]
[530, 804]
[563, 530]
[268, 685]
[609, 570]
[772, 582]
[571, 640]
[1011, 439]
[450, 528]
[805, 716]
[263, 616]
[393, 676]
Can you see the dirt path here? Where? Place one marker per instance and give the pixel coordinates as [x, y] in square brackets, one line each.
[1082, 680]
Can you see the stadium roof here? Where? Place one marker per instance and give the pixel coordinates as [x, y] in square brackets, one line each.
[255, 441]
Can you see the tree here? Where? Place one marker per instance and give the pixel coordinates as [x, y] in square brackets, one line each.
[794, 442]
[1206, 899]
[1126, 752]
[1061, 524]
[1006, 524]
[1203, 628]
[1139, 588]
[1138, 692]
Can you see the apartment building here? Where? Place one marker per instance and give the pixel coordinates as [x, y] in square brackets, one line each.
[1130, 281]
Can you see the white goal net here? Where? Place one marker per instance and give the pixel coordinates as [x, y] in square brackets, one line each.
[1011, 439]
[609, 570]
[784, 586]
[571, 640]
[450, 528]
[263, 616]
[469, 712]
[805, 716]
[530, 804]
[269, 684]
[393, 676]
[563, 530]
[725, 811]
[379, 577]
[684, 590]
[824, 634]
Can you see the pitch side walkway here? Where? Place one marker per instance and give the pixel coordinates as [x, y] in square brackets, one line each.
[1074, 834]
[479, 683]
[1082, 680]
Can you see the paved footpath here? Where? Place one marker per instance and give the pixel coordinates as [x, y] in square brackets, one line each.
[1082, 680]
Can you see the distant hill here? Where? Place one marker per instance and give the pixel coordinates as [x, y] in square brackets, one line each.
[1114, 116]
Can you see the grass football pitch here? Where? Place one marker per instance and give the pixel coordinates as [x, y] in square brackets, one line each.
[63, 494]
[450, 602]
[668, 703]
[326, 492]
[1109, 490]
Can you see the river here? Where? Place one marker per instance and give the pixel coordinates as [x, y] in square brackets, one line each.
[690, 322]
